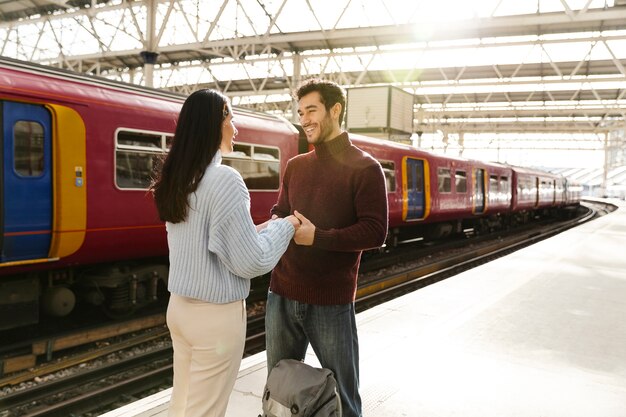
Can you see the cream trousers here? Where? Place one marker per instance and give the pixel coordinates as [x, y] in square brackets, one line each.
[208, 341]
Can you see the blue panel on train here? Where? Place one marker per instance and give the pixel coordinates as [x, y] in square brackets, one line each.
[26, 182]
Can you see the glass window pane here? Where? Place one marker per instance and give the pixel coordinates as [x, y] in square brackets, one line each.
[259, 166]
[258, 175]
[267, 154]
[135, 155]
[134, 169]
[28, 151]
[389, 169]
[444, 182]
[419, 179]
[240, 151]
[493, 183]
[460, 181]
[144, 140]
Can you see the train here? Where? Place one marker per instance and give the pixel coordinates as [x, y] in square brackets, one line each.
[78, 223]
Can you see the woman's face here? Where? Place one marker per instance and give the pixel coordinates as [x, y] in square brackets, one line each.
[229, 131]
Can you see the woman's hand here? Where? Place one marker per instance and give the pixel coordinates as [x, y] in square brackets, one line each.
[294, 221]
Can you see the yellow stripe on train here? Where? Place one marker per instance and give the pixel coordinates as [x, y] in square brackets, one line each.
[69, 181]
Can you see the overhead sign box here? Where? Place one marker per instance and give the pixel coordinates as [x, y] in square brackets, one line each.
[383, 109]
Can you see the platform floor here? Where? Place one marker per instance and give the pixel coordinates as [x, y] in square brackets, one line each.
[540, 332]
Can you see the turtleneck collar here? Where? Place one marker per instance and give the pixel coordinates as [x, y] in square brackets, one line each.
[332, 147]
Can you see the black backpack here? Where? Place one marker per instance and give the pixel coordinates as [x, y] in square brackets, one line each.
[294, 388]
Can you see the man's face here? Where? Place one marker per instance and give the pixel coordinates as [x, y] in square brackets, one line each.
[317, 123]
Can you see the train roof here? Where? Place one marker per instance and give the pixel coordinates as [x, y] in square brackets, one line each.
[403, 147]
[36, 78]
[535, 171]
[59, 73]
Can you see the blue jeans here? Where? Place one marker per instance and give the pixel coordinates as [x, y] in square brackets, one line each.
[331, 329]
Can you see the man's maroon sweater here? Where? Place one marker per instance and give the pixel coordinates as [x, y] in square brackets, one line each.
[341, 190]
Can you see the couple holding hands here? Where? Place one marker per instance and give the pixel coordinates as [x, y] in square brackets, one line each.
[332, 205]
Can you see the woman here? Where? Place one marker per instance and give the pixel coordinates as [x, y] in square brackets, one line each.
[215, 249]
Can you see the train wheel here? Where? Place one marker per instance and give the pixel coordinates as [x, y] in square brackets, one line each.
[58, 301]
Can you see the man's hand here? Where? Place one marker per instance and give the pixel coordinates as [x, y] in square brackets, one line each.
[306, 232]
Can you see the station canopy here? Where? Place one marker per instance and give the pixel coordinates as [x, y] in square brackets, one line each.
[524, 82]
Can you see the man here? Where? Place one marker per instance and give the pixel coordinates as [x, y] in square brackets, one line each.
[338, 193]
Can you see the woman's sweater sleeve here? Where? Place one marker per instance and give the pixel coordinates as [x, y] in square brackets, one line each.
[233, 236]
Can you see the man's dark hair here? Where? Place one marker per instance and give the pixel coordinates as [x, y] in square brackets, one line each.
[330, 94]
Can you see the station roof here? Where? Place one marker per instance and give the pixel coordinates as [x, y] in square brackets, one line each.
[494, 66]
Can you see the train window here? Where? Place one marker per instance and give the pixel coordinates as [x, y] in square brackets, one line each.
[139, 140]
[134, 169]
[460, 181]
[389, 169]
[266, 154]
[28, 151]
[414, 176]
[505, 187]
[135, 155]
[526, 189]
[444, 180]
[240, 151]
[493, 184]
[258, 165]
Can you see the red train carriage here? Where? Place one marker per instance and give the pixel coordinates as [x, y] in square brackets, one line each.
[537, 190]
[73, 153]
[498, 185]
[75, 167]
[432, 196]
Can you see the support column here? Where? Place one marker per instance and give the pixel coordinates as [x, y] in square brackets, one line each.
[149, 59]
[605, 171]
[297, 79]
[149, 56]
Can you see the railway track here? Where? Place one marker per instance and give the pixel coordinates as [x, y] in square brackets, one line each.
[83, 392]
[454, 260]
[97, 390]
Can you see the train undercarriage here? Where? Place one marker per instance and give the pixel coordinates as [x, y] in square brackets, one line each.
[118, 290]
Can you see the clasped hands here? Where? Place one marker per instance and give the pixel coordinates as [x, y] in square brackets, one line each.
[305, 230]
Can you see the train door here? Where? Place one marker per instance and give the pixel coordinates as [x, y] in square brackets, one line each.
[413, 189]
[537, 192]
[26, 178]
[479, 191]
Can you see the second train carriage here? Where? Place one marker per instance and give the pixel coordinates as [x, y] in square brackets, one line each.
[433, 196]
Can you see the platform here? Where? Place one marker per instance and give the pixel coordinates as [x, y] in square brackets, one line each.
[540, 332]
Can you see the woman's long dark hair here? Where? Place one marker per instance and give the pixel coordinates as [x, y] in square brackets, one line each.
[196, 141]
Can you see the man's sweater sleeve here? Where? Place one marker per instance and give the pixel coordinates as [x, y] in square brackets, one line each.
[281, 208]
[233, 236]
[370, 229]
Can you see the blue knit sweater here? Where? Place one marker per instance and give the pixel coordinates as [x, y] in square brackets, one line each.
[216, 251]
